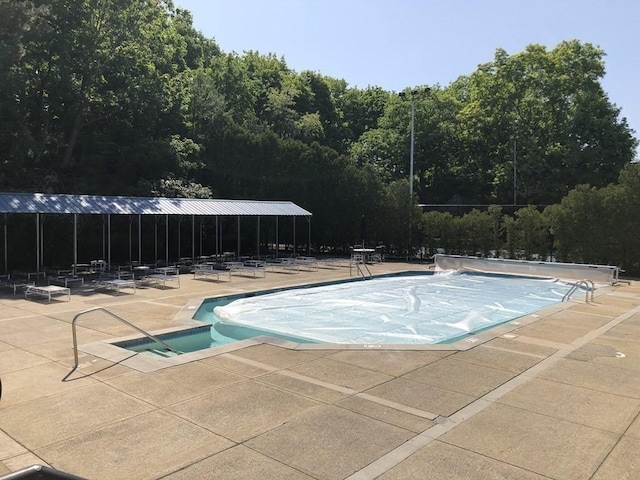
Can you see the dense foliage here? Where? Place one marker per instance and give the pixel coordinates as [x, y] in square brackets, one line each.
[590, 225]
[126, 97]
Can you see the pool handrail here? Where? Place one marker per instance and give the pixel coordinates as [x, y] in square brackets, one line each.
[589, 288]
[359, 270]
[146, 334]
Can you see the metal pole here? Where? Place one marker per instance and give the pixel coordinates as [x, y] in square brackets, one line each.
[309, 244]
[139, 239]
[277, 239]
[156, 238]
[37, 242]
[6, 246]
[179, 235]
[193, 238]
[201, 225]
[104, 243]
[413, 116]
[42, 241]
[109, 241]
[514, 173]
[75, 238]
[258, 239]
[238, 254]
[166, 260]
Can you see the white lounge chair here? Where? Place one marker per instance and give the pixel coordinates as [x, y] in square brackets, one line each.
[248, 266]
[307, 262]
[161, 276]
[208, 270]
[286, 264]
[116, 284]
[47, 291]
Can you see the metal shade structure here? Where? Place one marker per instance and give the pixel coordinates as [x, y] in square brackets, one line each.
[65, 204]
[94, 204]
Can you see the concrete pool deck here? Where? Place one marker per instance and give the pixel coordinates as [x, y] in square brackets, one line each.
[558, 397]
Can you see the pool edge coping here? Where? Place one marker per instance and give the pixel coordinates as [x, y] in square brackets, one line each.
[107, 350]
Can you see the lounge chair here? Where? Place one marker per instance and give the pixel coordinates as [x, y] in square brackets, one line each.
[15, 283]
[283, 264]
[334, 262]
[66, 280]
[307, 262]
[47, 291]
[248, 266]
[208, 270]
[116, 281]
[162, 275]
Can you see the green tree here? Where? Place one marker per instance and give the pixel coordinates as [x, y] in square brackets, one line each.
[621, 225]
[496, 216]
[361, 110]
[552, 105]
[532, 230]
[579, 234]
[395, 213]
[431, 231]
[511, 233]
[479, 232]
[381, 149]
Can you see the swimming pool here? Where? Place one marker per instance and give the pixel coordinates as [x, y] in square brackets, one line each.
[405, 309]
[408, 309]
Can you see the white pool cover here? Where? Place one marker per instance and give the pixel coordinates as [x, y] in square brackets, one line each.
[415, 309]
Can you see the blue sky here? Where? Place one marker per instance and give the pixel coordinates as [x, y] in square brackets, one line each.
[406, 43]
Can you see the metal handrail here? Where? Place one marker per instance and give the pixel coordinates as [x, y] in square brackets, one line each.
[146, 334]
[366, 268]
[357, 263]
[589, 289]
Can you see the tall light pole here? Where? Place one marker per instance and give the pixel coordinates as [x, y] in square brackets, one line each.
[413, 113]
[413, 136]
[515, 158]
[414, 94]
[413, 123]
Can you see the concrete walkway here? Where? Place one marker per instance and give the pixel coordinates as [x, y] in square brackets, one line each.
[556, 395]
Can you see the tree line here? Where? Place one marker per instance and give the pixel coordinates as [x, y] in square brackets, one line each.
[125, 97]
[590, 225]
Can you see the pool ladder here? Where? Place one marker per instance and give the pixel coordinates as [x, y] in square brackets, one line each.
[359, 270]
[589, 289]
[84, 312]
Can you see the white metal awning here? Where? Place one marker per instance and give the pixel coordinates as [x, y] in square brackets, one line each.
[40, 204]
[95, 204]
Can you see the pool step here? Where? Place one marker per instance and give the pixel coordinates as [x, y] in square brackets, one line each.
[162, 353]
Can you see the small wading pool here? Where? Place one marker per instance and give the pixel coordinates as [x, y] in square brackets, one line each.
[401, 309]
[198, 338]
